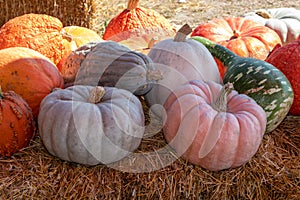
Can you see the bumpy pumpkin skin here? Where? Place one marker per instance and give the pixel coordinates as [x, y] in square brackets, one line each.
[17, 126]
[242, 36]
[284, 21]
[287, 60]
[74, 129]
[28, 73]
[206, 136]
[136, 21]
[39, 32]
[109, 64]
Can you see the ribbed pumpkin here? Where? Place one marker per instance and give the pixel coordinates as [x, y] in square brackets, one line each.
[39, 32]
[136, 21]
[284, 21]
[180, 59]
[17, 125]
[110, 64]
[28, 73]
[244, 37]
[287, 60]
[91, 125]
[212, 125]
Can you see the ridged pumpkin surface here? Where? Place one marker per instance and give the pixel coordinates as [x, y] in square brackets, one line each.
[28, 73]
[136, 21]
[242, 36]
[90, 128]
[213, 129]
[38, 32]
[17, 126]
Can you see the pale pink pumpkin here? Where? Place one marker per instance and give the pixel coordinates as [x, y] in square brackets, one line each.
[213, 126]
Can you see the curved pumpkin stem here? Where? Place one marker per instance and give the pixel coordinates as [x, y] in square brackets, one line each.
[182, 33]
[96, 94]
[132, 4]
[220, 103]
[264, 14]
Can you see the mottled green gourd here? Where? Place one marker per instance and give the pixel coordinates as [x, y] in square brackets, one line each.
[258, 79]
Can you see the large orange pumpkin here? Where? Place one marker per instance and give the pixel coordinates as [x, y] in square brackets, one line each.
[28, 73]
[136, 21]
[17, 126]
[244, 37]
[39, 32]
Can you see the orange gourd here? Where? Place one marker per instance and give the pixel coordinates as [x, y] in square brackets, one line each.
[17, 126]
[28, 73]
[244, 37]
[136, 21]
[39, 32]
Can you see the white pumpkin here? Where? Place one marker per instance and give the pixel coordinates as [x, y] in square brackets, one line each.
[91, 125]
[180, 60]
[285, 21]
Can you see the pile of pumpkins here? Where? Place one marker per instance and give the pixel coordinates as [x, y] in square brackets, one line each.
[217, 88]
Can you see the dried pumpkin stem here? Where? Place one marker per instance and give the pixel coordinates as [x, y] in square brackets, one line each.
[182, 33]
[263, 14]
[132, 4]
[220, 103]
[96, 94]
[152, 42]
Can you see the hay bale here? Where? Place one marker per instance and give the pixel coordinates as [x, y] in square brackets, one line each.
[86, 13]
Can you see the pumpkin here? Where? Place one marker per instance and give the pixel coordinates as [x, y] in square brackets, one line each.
[179, 59]
[110, 64]
[212, 125]
[17, 125]
[39, 32]
[91, 125]
[284, 21]
[81, 35]
[287, 60]
[244, 37]
[28, 73]
[260, 80]
[136, 21]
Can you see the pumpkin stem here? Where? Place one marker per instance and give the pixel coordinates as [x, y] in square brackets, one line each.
[132, 4]
[264, 14]
[236, 34]
[152, 42]
[66, 36]
[220, 103]
[96, 94]
[1, 94]
[181, 34]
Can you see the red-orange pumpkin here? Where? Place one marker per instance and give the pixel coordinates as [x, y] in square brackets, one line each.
[136, 21]
[28, 73]
[213, 126]
[287, 59]
[17, 125]
[244, 37]
[39, 32]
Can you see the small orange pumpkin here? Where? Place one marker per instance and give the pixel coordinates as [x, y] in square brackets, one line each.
[136, 21]
[39, 32]
[28, 73]
[244, 37]
[17, 126]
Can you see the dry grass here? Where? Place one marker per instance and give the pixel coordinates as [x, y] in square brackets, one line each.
[273, 173]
